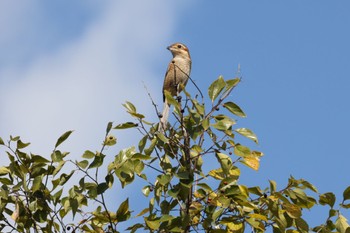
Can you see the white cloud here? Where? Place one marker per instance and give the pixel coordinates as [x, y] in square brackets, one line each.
[81, 86]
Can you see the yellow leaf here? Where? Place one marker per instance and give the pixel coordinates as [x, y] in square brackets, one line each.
[292, 210]
[252, 162]
[258, 216]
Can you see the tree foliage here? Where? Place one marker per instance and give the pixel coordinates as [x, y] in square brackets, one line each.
[190, 175]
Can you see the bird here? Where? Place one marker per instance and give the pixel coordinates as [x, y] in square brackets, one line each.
[176, 77]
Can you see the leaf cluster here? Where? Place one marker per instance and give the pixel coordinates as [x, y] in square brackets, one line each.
[190, 174]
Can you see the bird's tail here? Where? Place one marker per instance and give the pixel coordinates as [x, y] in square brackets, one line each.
[165, 115]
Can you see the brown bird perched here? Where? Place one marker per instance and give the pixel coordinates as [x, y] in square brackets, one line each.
[178, 72]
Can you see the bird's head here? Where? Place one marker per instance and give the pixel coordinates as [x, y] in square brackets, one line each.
[179, 49]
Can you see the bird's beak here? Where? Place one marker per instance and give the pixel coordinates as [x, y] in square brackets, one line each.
[168, 48]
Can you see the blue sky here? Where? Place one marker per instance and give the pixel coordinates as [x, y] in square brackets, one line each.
[67, 65]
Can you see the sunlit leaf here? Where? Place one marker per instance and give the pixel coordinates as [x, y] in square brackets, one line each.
[21, 144]
[205, 123]
[217, 174]
[247, 133]
[146, 190]
[162, 137]
[231, 83]
[241, 150]
[215, 88]
[327, 199]
[225, 161]
[88, 154]
[292, 210]
[234, 108]
[144, 211]
[83, 164]
[164, 179]
[36, 183]
[123, 212]
[4, 171]
[126, 125]
[273, 186]
[129, 106]
[252, 162]
[341, 224]
[170, 99]
[258, 216]
[142, 143]
[63, 138]
[153, 224]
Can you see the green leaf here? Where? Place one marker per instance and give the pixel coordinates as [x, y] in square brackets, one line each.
[65, 177]
[36, 183]
[225, 161]
[146, 190]
[39, 159]
[205, 186]
[57, 156]
[58, 167]
[166, 218]
[302, 225]
[205, 123]
[21, 144]
[109, 127]
[153, 224]
[101, 188]
[1, 141]
[142, 212]
[123, 212]
[98, 161]
[215, 88]
[129, 106]
[142, 143]
[164, 179]
[242, 151]
[63, 138]
[292, 210]
[231, 83]
[4, 171]
[272, 186]
[170, 99]
[83, 164]
[162, 137]
[73, 203]
[234, 108]
[346, 194]
[224, 124]
[217, 174]
[327, 199]
[309, 186]
[88, 154]
[248, 134]
[126, 125]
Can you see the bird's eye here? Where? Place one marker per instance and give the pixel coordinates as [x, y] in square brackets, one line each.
[179, 46]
